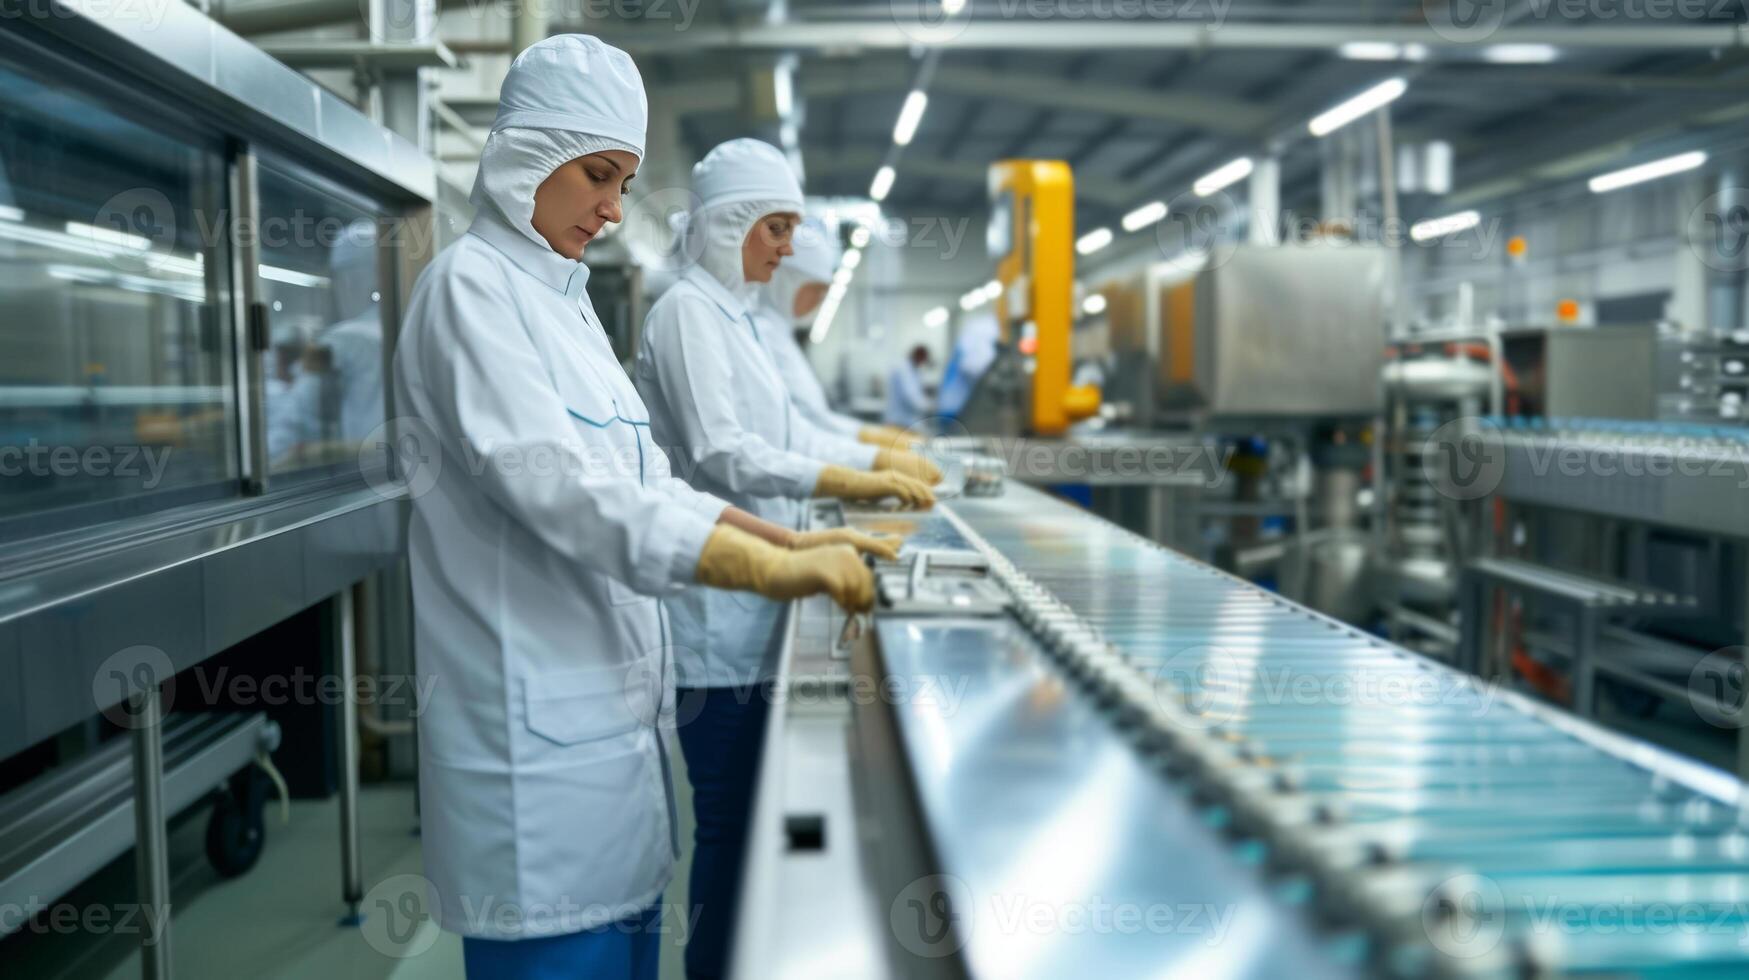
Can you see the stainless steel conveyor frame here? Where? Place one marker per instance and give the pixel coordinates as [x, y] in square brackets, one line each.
[1136, 730]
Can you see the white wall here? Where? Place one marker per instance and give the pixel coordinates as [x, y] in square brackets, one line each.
[923, 261]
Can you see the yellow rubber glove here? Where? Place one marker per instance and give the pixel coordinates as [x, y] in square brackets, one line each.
[734, 559]
[848, 484]
[868, 544]
[889, 437]
[912, 465]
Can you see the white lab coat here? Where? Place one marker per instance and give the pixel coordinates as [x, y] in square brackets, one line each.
[536, 557]
[719, 407]
[798, 375]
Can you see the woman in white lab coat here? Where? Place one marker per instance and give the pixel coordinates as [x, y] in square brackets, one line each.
[790, 302]
[718, 406]
[544, 526]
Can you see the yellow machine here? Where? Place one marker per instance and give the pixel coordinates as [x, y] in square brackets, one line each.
[1032, 238]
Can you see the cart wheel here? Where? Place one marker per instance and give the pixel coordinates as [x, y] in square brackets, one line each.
[1631, 701]
[236, 831]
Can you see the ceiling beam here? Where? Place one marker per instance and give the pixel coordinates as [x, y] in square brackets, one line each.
[853, 37]
[863, 163]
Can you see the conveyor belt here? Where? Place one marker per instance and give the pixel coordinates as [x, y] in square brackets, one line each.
[1441, 826]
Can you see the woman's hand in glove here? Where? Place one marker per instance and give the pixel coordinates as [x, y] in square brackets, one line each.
[848, 484]
[889, 437]
[734, 559]
[883, 546]
[912, 465]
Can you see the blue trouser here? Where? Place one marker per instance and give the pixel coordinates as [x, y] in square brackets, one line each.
[628, 949]
[720, 733]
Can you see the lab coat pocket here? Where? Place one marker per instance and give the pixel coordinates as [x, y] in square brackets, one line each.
[577, 706]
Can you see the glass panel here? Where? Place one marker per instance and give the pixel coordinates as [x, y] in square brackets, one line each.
[324, 366]
[115, 381]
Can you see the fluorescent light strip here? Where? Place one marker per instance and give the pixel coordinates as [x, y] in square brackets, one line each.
[852, 258]
[108, 236]
[1144, 216]
[291, 277]
[1520, 54]
[936, 318]
[883, 182]
[1093, 241]
[860, 236]
[1451, 224]
[823, 322]
[1093, 305]
[1616, 180]
[10, 213]
[1382, 51]
[783, 91]
[1223, 176]
[1378, 96]
[909, 116]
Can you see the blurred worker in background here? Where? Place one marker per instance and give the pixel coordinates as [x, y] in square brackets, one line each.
[548, 813]
[974, 350]
[790, 302]
[907, 398]
[720, 409]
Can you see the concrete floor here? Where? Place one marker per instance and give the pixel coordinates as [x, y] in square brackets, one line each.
[281, 920]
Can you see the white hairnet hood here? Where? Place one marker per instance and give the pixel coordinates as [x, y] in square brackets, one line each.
[737, 183]
[816, 259]
[566, 97]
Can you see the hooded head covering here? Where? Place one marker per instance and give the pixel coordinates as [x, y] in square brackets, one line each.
[737, 183]
[816, 259]
[566, 97]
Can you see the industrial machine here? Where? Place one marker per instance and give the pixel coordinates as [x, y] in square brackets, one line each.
[1599, 532]
[1136, 765]
[1255, 333]
[206, 255]
[1031, 238]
